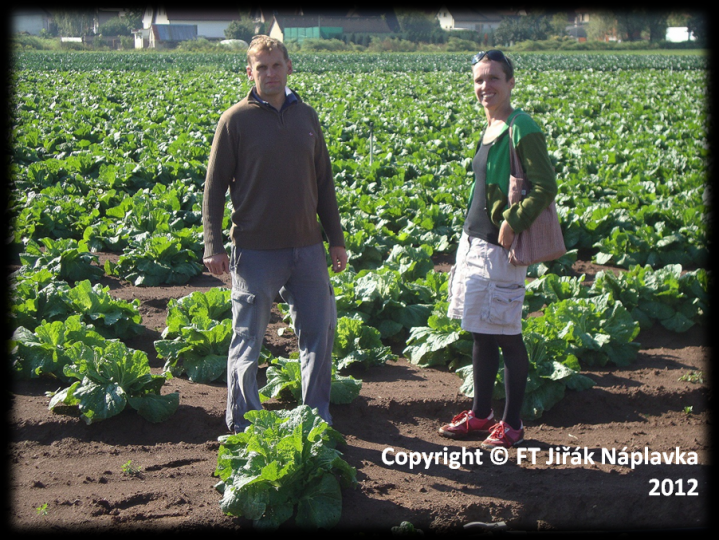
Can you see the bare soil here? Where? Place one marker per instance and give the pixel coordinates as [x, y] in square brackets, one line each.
[76, 470]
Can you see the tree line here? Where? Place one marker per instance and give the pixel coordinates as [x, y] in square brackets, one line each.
[424, 27]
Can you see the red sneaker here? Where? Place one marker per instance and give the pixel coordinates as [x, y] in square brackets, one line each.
[503, 435]
[465, 423]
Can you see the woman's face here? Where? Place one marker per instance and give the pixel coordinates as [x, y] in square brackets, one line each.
[491, 86]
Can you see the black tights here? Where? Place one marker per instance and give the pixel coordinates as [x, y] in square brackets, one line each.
[485, 365]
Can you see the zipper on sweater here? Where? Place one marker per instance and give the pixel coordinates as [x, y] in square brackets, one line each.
[279, 114]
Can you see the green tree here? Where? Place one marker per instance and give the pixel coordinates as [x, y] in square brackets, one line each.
[697, 26]
[243, 28]
[508, 31]
[633, 24]
[678, 19]
[630, 24]
[538, 26]
[657, 25]
[134, 18]
[117, 26]
[514, 29]
[558, 24]
[75, 23]
[601, 24]
[419, 27]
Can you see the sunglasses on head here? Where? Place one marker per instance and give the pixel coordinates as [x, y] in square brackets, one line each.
[494, 54]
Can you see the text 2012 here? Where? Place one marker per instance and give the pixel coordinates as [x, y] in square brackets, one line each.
[668, 487]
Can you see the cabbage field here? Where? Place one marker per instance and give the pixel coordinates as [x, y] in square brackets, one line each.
[118, 335]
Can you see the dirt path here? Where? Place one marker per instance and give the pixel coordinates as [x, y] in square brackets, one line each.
[77, 470]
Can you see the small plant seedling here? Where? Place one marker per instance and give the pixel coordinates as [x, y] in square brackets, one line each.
[406, 528]
[693, 377]
[128, 469]
[41, 510]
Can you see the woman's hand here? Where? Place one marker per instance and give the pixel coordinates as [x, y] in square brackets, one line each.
[506, 235]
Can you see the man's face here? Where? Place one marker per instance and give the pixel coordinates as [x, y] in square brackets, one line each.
[491, 86]
[269, 71]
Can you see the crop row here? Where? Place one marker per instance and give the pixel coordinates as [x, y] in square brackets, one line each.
[353, 63]
[572, 325]
[91, 150]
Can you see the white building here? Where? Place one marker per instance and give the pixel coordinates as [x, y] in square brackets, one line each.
[211, 23]
[30, 21]
[679, 34]
[481, 21]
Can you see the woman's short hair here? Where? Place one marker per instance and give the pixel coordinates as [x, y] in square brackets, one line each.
[497, 56]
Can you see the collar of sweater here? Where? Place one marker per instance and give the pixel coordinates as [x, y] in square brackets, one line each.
[290, 98]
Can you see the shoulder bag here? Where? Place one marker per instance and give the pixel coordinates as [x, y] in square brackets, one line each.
[543, 240]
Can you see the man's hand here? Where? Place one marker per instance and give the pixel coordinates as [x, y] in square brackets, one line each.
[218, 264]
[506, 235]
[338, 256]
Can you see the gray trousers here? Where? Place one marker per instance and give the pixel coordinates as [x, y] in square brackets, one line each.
[301, 278]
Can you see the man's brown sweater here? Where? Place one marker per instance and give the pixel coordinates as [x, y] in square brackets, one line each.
[278, 171]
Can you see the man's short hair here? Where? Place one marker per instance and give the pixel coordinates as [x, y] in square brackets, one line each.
[265, 43]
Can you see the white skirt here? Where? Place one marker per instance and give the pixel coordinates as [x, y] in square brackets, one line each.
[485, 291]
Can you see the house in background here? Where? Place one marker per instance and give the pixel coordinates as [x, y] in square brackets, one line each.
[30, 21]
[577, 22]
[327, 24]
[678, 34]
[207, 23]
[170, 35]
[482, 21]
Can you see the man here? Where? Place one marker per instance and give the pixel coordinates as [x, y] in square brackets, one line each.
[269, 151]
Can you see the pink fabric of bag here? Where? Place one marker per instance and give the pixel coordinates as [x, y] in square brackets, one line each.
[543, 240]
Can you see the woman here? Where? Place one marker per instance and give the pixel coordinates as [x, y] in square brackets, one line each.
[486, 292]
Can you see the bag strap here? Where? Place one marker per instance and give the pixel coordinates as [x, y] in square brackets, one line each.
[515, 164]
